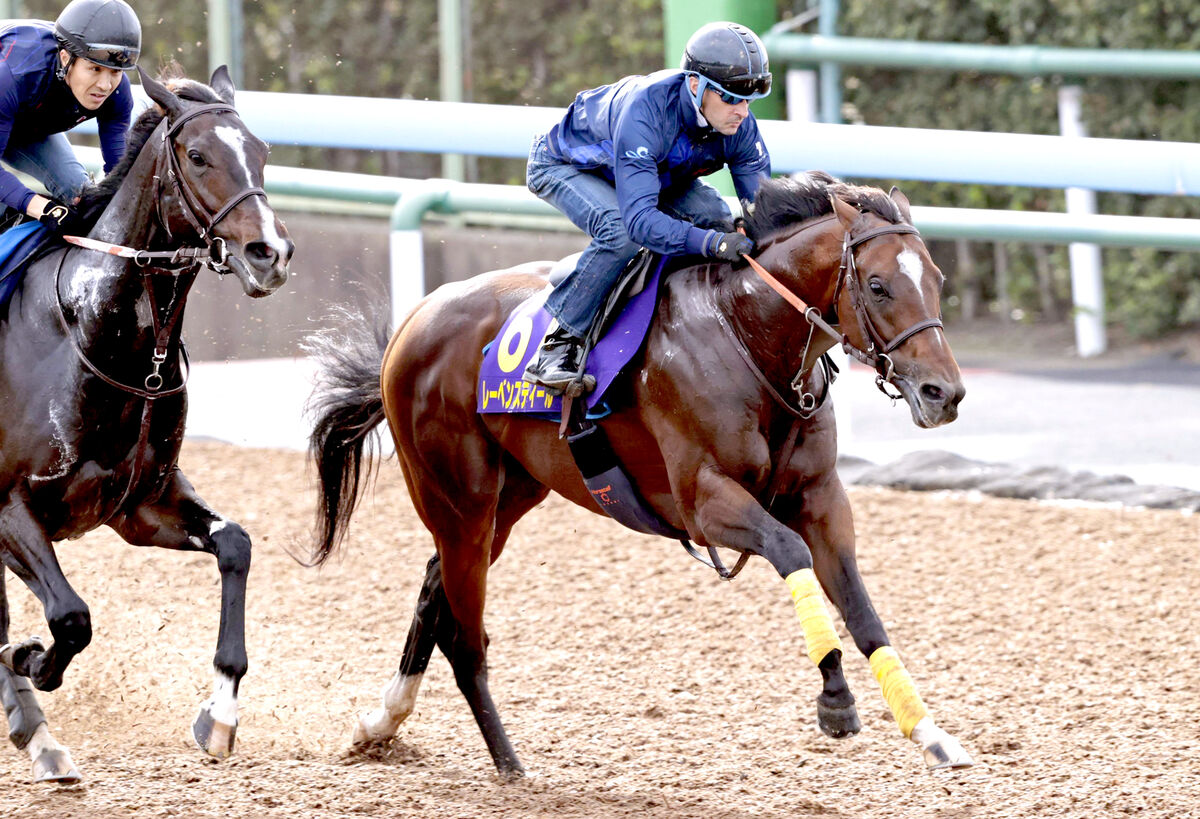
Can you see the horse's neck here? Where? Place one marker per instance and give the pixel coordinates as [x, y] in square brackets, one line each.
[105, 294]
[775, 333]
[129, 218]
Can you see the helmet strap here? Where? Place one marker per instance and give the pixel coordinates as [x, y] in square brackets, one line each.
[63, 68]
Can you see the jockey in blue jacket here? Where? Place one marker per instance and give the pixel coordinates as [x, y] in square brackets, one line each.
[53, 77]
[624, 166]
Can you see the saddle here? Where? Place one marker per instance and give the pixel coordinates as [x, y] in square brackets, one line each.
[612, 341]
[20, 244]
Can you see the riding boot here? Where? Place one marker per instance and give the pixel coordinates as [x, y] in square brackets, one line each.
[557, 365]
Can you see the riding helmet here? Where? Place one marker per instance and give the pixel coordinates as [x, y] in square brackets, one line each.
[107, 32]
[731, 56]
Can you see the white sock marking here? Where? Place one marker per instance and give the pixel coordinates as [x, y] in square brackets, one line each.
[223, 704]
[399, 699]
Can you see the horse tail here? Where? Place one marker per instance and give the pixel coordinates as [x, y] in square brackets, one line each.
[346, 405]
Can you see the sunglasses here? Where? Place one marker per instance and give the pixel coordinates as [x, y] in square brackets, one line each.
[735, 91]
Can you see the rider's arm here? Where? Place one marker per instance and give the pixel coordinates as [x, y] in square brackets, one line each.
[12, 192]
[639, 142]
[112, 121]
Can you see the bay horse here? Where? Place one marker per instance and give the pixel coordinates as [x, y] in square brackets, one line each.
[92, 381]
[701, 424]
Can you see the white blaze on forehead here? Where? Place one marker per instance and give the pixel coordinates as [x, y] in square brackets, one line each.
[235, 138]
[910, 265]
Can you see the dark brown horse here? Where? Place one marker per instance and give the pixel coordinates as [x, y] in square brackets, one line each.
[700, 423]
[92, 384]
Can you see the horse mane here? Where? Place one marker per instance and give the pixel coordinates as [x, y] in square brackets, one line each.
[784, 201]
[95, 197]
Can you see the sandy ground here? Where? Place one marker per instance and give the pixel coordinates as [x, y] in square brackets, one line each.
[1057, 642]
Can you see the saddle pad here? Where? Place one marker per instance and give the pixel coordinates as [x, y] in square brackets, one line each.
[17, 245]
[501, 389]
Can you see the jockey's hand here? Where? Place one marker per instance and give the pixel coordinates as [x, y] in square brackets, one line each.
[60, 218]
[730, 247]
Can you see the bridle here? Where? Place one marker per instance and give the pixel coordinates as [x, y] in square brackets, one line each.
[182, 260]
[179, 263]
[876, 354]
[199, 217]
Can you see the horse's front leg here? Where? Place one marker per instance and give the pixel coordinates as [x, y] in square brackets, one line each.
[27, 727]
[178, 519]
[825, 521]
[728, 515]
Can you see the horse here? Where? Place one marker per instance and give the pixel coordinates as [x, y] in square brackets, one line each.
[701, 423]
[92, 380]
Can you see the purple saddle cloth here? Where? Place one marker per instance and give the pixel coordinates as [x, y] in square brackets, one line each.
[505, 358]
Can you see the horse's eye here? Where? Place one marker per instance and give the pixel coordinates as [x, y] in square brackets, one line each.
[196, 159]
[877, 288]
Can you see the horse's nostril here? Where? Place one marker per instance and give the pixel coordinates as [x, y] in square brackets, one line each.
[933, 393]
[261, 252]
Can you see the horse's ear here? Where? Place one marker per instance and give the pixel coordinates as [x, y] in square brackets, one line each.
[846, 213]
[901, 202]
[160, 94]
[222, 83]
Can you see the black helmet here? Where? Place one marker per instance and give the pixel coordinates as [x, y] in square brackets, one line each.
[107, 32]
[731, 57]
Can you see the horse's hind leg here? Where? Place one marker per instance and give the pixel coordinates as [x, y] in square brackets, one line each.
[27, 727]
[400, 696]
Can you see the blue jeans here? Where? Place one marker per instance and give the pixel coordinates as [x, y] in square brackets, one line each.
[590, 202]
[52, 162]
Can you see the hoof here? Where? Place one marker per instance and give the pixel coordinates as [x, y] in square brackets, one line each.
[214, 738]
[838, 721]
[511, 775]
[373, 730]
[15, 656]
[55, 765]
[941, 750]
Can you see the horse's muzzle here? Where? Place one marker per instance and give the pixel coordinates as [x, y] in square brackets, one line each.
[264, 266]
[932, 401]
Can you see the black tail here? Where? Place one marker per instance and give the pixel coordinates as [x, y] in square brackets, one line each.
[346, 405]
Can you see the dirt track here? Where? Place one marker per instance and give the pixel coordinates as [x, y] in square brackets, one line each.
[1057, 643]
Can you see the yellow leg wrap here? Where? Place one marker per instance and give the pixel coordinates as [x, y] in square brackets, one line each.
[899, 690]
[819, 635]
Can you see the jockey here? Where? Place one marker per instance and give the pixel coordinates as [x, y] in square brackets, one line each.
[624, 166]
[53, 77]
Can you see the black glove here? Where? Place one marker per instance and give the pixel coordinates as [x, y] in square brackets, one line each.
[60, 218]
[729, 246]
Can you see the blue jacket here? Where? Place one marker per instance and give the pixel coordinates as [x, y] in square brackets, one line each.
[34, 103]
[645, 135]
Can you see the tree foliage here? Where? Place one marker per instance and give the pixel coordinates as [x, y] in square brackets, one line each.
[541, 52]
